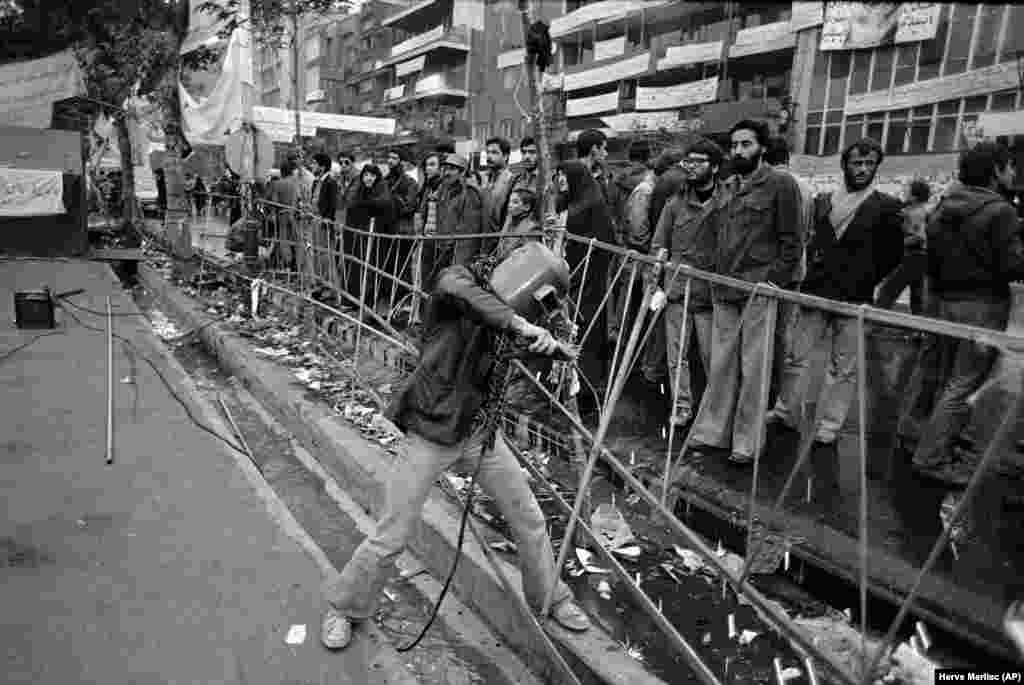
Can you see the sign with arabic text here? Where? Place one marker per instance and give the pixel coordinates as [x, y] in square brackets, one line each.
[592, 105]
[616, 71]
[918, 21]
[856, 25]
[31, 192]
[682, 55]
[651, 121]
[682, 95]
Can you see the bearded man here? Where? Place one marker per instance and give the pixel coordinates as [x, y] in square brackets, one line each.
[856, 241]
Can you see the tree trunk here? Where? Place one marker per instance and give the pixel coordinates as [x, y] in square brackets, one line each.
[539, 120]
[124, 144]
[295, 78]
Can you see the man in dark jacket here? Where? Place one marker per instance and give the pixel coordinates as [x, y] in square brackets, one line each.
[757, 240]
[438, 409]
[686, 232]
[974, 253]
[325, 188]
[403, 189]
[670, 176]
[856, 241]
[460, 210]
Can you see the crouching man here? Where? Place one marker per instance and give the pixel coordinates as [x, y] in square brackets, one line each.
[443, 408]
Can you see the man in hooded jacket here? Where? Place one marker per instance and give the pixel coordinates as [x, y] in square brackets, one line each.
[974, 253]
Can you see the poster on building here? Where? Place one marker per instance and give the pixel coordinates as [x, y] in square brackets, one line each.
[683, 95]
[616, 71]
[603, 49]
[694, 53]
[918, 21]
[856, 25]
[806, 15]
[31, 192]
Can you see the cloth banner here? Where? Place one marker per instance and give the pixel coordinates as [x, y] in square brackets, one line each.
[31, 192]
[209, 121]
[858, 25]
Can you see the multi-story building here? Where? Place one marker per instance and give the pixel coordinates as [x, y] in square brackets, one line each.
[924, 95]
[637, 69]
[433, 65]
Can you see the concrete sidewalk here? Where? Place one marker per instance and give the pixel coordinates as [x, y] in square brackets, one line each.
[171, 566]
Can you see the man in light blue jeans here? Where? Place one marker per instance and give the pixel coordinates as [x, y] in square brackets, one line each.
[444, 409]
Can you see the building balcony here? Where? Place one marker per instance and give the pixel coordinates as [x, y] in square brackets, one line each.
[411, 16]
[455, 40]
[438, 87]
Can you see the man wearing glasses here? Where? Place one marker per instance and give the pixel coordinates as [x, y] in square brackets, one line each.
[685, 231]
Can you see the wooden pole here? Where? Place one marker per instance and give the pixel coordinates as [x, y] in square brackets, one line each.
[540, 129]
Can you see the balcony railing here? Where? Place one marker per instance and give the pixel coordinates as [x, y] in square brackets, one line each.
[456, 37]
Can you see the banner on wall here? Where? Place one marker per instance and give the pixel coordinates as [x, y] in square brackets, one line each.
[682, 95]
[31, 192]
[29, 88]
[857, 25]
[806, 15]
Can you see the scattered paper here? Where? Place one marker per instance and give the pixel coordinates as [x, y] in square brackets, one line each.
[586, 558]
[706, 640]
[691, 560]
[504, 546]
[610, 527]
[604, 589]
[791, 672]
[632, 552]
[748, 636]
[296, 635]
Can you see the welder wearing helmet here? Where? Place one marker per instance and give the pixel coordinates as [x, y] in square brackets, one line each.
[437, 408]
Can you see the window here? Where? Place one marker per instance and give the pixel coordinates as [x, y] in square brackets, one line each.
[831, 146]
[876, 127]
[627, 89]
[812, 140]
[882, 75]
[506, 128]
[817, 97]
[509, 77]
[989, 21]
[1014, 40]
[897, 132]
[838, 73]
[945, 132]
[1004, 101]
[930, 58]
[906, 64]
[854, 129]
[861, 72]
[960, 31]
[481, 131]
[920, 129]
[312, 81]
[365, 86]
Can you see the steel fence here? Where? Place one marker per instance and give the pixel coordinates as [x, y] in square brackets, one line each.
[387, 276]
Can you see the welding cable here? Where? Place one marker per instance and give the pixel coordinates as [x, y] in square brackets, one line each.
[11, 352]
[181, 336]
[167, 384]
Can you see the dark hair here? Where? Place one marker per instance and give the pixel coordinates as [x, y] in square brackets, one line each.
[639, 152]
[445, 149]
[919, 190]
[667, 159]
[346, 155]
[865, 146]
[978, 165]
[778, 151]
[528, 140]
[371, 168]
[706, 146]
[528, 197]
[759, 128]
[588, 140]
[440, 158]
[287, 168]
[323, 159]
[502, 143]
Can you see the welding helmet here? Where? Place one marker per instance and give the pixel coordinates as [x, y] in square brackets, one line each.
[532, 280]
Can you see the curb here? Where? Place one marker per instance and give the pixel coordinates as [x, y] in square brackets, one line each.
[362, 468]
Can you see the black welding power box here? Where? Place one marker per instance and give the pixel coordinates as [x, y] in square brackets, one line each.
[34, 309]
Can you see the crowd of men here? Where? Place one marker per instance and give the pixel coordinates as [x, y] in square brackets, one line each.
[740, 213]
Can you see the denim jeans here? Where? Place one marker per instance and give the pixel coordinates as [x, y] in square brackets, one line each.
[965, 366]
[698, 328]
[731, 415]
[356, 590]
[808, 328]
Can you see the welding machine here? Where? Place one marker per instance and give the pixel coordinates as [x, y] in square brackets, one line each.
[34, 309]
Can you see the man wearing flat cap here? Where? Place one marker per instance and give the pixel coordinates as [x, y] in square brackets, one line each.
[460, 211]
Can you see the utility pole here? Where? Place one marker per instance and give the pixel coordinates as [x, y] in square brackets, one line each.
[526, 12]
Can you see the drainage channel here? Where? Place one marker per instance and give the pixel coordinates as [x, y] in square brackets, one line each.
[725, 631]
[442, 658]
